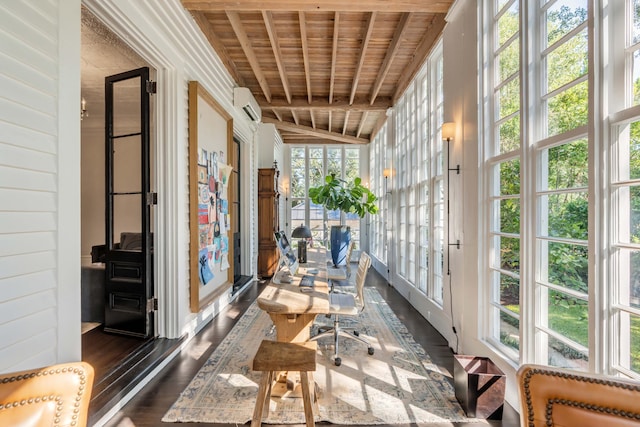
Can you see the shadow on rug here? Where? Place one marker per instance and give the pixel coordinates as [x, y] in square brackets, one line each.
[397, 385]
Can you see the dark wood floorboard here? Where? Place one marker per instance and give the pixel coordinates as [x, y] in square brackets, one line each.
[106, 351]
[151, 403]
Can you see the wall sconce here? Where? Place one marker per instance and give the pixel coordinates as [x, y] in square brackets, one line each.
[83, 108]
[386, 173]
[448, 132]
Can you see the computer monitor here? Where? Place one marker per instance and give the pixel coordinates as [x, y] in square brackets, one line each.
[288, 264]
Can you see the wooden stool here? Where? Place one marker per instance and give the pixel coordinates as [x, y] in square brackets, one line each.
[275, 356]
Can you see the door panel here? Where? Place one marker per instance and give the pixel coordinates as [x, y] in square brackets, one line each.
[129, 249]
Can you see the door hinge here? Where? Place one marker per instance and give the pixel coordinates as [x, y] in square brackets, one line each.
[152, 305]
[151, 86]
[152, 199]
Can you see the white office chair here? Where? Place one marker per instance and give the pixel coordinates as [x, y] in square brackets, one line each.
[347, 304]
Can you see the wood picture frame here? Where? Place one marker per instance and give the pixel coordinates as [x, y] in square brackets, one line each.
[204, 109]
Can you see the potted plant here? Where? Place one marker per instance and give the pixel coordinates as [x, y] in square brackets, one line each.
[348, 197]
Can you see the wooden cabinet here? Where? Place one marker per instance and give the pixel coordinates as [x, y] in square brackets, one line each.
[268, 199]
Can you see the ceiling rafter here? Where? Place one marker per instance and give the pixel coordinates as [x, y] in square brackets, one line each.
[245, 43]
[320, 133]
[313, 119]
[391, 53]
[330, 117]
[371, 19]
[363, 119]
[277, 53]
[426, 6]
[346, 122]
[334, 55]
[305, 53]
[294, 113]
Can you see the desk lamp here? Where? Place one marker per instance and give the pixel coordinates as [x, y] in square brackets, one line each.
[303, 233]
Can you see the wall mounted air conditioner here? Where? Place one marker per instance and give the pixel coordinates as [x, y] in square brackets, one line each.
[243, 98]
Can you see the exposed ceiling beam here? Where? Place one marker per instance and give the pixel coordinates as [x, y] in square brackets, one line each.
[305, 53]
[363, 49]
[218, 46]
[379, 123]
[363, 119]
[429, 6]
[238, 28]
[318, 133]
[391, 53]
[295, 117]
[359, 104]
[420, 56]
[277, 114]
[346, 122]
[334, 56]
[330, 118]
[313, 119]
[277, 53]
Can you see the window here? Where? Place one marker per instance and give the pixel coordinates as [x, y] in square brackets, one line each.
[419, 181]
[537, 175]
[309, 166]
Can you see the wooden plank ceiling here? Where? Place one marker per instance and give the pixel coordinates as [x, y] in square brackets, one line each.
[322, 72]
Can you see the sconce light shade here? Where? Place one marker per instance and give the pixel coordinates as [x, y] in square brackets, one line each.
[448, 131]
[386, 172]
[301, 232]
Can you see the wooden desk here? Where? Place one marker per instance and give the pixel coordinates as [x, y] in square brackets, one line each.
[291, 309]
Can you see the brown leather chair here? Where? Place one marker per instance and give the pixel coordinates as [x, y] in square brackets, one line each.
[57, 396]
[561, 398]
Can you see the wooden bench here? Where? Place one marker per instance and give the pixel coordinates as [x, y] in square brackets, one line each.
[275, 356]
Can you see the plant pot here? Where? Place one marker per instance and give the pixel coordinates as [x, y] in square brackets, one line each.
[339, 240]
[479, 386]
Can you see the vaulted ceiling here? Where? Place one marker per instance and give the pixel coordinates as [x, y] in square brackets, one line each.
[322, 71]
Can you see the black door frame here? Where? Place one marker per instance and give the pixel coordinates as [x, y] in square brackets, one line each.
[130, 303]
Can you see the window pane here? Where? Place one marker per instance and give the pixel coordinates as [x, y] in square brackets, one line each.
[568, 266]
[569, 317]
[510, 254]
[510, 216]
[510, 293]
[635, 77]
[508, 24]
[334, 162]
[635, 11]
[563, 356]
[568, 165]
[568, 110]
[509, 60]
[509, 331]
[629, 151]
[567, 62]
[629, 350]
[564, 16]
[510, 177]
[509, 98]
[567, 214]
[629, 260]
[509, 131]
[297, 211]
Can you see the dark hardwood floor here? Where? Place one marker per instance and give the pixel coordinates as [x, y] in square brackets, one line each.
[150, 404]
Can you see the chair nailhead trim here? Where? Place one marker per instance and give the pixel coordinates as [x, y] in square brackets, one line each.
[38, 399]
[583, 405]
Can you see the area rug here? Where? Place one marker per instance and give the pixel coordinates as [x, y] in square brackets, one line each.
[396, 385]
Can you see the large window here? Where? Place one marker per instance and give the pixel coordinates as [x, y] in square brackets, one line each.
[417, 205]
[309, 166]
[537, 174]
[562, 168]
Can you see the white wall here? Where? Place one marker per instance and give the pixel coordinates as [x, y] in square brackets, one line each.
[40, 166]
[39, 183]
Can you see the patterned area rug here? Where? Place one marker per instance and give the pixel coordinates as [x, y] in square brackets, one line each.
[397, 385]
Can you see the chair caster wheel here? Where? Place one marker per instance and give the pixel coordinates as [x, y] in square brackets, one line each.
[356, 333]
[337, 361]
[370, 350]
